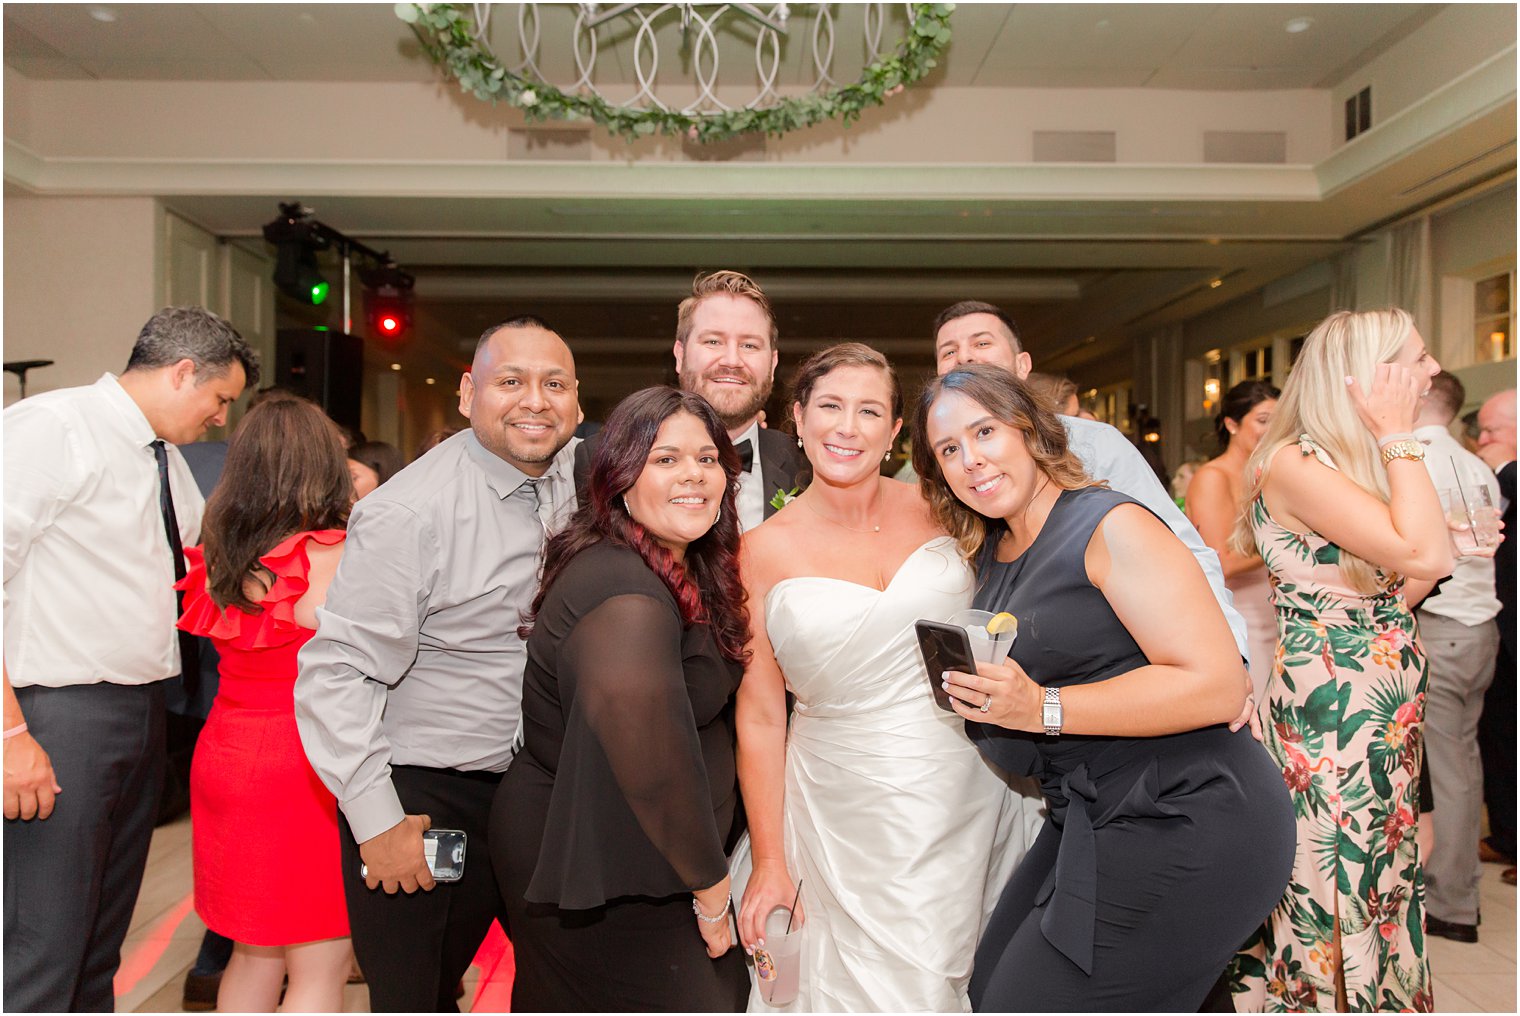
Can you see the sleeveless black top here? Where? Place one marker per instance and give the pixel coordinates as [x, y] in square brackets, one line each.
[1068, 634]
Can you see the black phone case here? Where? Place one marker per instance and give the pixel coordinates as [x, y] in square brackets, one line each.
[944, 647]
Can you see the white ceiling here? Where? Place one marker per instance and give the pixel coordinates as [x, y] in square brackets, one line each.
[854, 267]
[1180, 46]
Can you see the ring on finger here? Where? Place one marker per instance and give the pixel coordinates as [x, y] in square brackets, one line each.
[986, 705]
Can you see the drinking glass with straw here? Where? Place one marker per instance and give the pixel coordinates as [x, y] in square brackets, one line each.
[1471, 516]
[778, 966]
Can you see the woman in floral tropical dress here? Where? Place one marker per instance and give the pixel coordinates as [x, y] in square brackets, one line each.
[1346, 517]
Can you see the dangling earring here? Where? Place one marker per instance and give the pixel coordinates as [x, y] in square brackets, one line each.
[887, 455]
[718, 517]
[625, 506]
[799, 441]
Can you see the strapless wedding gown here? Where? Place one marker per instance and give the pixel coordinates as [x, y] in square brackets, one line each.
[901, 834]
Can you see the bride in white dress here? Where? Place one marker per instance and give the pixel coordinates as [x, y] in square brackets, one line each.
[899, 831]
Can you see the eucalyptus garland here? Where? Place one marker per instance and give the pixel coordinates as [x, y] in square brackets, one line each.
[447, 34]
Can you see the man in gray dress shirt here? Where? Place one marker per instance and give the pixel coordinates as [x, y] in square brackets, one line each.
[408, 700]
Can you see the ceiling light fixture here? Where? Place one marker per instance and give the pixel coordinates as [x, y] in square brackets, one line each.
[388, 296]
[103, 14]
[1215, 283]
[1296, 25]
[298, 237]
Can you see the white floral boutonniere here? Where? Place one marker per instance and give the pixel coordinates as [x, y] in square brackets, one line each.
[781, 498]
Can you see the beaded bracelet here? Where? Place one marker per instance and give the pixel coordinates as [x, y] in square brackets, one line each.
[696, 909]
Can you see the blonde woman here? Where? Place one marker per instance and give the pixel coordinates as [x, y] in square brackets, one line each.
[1343, 511]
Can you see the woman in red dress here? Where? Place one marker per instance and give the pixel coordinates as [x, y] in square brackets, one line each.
[265, 829]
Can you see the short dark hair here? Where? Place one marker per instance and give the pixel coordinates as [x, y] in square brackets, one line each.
[520, 321]
[195, 334]
[1447, 392]
[965, 307]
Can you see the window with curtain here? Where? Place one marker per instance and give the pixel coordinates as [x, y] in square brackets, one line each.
[1494, 318]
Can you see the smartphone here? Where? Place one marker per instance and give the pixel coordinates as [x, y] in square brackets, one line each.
[944, 647]
[444, 850]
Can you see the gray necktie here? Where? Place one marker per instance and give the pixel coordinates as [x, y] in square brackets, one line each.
[543, 501]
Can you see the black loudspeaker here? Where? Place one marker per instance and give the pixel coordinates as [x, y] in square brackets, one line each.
[326, 367]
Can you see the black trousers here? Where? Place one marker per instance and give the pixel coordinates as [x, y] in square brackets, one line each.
[1496, 742]
[414, 948]
[71, 880]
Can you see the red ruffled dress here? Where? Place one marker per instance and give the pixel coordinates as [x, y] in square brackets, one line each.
[264, 828]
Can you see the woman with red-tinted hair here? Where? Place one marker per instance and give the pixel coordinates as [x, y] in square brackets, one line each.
[608, 832]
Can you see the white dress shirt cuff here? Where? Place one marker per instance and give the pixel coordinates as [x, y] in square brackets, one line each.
[373, 812]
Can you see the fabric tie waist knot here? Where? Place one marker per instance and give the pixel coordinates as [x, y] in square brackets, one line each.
[1070, 892]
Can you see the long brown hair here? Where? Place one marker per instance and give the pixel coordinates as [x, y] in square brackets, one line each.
[706, 587]
[286, 473]
[1000, 392]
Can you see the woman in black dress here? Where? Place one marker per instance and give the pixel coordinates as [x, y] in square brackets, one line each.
[608, 831]
[1170, 838]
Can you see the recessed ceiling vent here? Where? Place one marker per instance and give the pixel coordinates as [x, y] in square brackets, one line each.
[1359, 113]
[1245, 146]
[1074, 146]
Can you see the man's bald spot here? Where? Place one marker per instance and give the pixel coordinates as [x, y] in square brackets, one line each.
[1501, 404]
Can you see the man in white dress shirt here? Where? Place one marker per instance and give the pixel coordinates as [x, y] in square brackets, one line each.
[92, 482]
[1461, 641]
[725, 351]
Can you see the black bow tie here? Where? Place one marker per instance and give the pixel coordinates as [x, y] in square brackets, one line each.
[746, 450]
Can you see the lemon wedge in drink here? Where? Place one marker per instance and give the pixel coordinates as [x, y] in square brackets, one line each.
[1004, 622]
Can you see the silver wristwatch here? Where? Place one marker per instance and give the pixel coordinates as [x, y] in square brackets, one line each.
[1051, 713]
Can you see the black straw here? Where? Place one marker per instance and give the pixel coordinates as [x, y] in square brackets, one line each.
[792, 914]
[1463, 495]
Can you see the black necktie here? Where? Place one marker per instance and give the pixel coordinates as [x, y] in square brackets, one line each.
[746, 450]
[189, 650]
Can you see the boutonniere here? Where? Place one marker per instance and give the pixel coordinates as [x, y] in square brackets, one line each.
[781, 497]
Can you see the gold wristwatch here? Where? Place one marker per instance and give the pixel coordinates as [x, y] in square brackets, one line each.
[1407, 448]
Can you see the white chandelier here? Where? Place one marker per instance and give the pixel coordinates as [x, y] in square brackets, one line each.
[700, 28]
[703, 100]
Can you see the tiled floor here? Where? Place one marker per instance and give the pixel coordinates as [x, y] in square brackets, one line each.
[166, 934]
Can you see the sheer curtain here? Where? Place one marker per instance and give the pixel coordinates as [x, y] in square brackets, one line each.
[1409, 282]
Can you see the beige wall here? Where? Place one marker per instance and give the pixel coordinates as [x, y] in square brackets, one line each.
[242, 120]
[1468, 239]
[1456, 40]
[81, 275]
